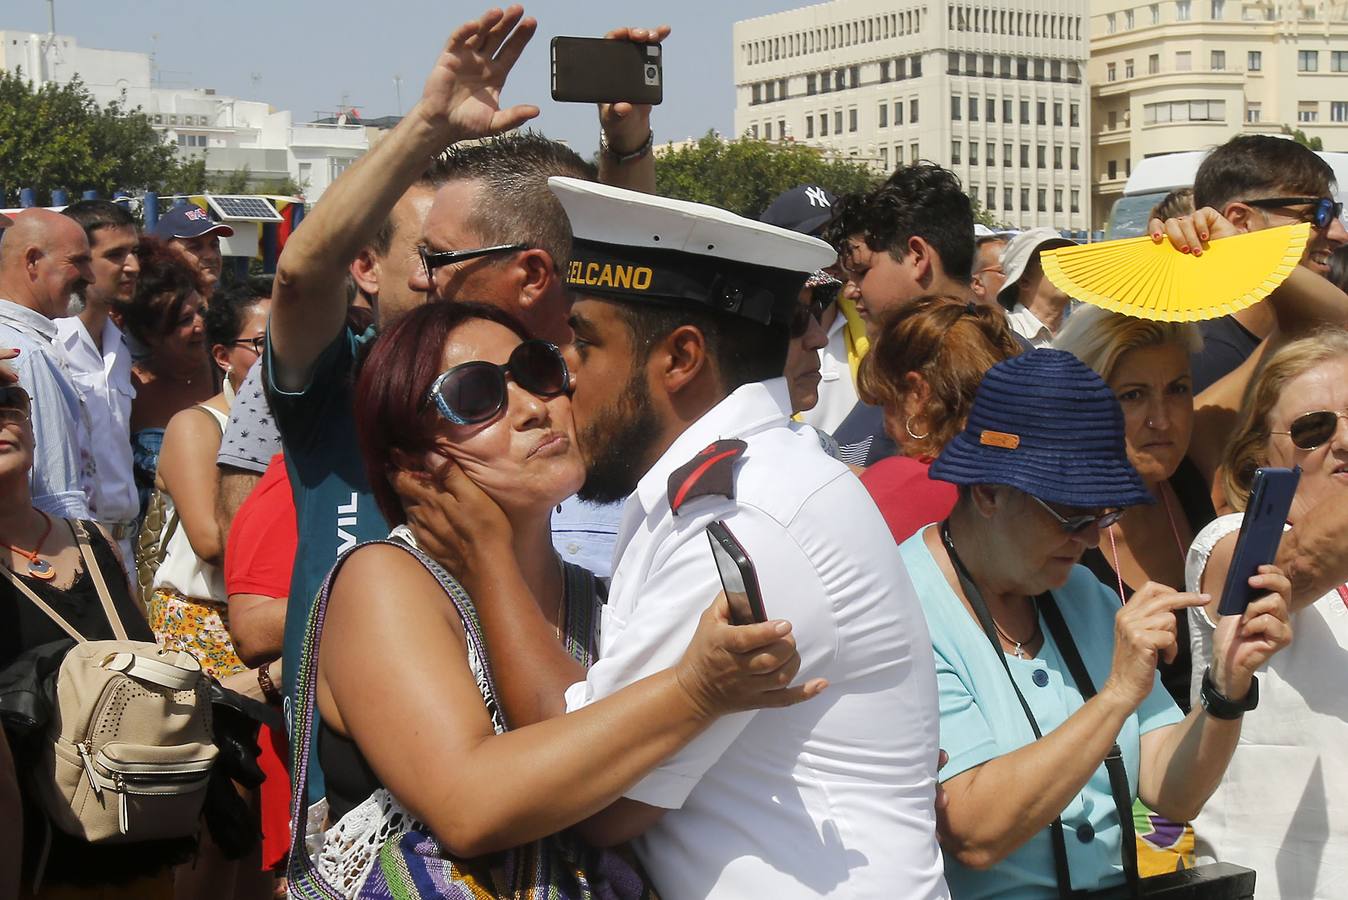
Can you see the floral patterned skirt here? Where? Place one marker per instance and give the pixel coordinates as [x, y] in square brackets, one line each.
[1163, 846]
[200, 627]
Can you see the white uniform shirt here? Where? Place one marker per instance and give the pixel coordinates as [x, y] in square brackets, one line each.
[103, 380]
[837, 390]
[833, 797]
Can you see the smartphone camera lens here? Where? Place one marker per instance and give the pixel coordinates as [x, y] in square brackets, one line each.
[652, 74]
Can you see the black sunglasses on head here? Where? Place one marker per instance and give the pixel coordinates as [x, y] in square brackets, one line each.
[1322, 214]
[434, 259]
[474, 392]
[15, 404]
[1310, 430]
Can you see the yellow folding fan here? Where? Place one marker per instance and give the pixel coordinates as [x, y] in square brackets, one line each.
[1156, 281]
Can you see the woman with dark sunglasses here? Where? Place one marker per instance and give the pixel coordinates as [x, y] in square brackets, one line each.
[1052, 714]
[1285, 796]
[408, 722]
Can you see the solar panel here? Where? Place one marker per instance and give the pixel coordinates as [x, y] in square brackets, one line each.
[243, 209]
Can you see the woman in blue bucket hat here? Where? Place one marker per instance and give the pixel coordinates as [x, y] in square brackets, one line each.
[1053, 716]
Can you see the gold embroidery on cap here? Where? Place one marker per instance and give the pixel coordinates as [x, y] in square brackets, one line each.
[1000, 439]
[593, 274]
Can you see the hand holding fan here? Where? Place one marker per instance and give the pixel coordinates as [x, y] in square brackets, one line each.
[1140, 278]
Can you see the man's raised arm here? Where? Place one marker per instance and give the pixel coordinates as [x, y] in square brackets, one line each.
[461, 100]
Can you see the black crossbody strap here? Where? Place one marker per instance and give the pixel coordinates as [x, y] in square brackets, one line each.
[1118, 775]
[975, 597]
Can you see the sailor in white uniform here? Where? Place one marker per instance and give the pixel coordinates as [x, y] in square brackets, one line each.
[833, 797]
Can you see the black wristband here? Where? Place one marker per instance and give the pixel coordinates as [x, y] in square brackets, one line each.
[1221, 707]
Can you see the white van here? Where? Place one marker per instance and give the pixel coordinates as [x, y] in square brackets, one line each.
[1156, 176]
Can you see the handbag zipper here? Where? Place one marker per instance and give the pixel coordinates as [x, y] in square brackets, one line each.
[119, 786]
[85, 749]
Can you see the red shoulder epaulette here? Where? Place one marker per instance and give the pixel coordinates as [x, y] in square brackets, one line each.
[709, 474]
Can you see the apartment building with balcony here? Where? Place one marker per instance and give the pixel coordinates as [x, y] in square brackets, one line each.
[1176, 75]
[994, 91]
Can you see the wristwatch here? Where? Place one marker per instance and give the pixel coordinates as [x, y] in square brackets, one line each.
[268, 686]
[1221, 707]
[620, 158]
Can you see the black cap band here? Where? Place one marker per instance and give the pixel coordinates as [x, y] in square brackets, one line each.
[674, 277]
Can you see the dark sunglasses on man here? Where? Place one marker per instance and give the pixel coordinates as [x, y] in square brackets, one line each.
[474, 392]
[15, 404]
[1312, 429]
[821, 298]
[1322, 213]
[434, 259]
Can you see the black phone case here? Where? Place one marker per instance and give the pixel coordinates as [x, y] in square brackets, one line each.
[1260, 534]
[720, 535]
[596, 70]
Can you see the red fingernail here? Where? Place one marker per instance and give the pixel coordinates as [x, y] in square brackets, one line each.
[1204, 236]
[1197, 252]
[1156, 236]
[1184, 249]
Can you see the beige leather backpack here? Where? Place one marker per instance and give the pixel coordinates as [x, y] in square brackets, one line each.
[130, 747]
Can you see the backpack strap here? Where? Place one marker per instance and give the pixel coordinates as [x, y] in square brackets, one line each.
[41, 604]
[583, 601]
[100, 585]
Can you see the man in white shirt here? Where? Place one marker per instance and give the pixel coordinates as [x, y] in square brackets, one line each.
[1036, 307]
[44, 259]
[99, 361]
[680, 338]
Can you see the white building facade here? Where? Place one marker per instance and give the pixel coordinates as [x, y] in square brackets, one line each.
[231, 133]
[994, 91]
[1177, 75]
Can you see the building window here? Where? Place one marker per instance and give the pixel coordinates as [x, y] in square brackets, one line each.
[1041, 156]
[917, 67]
[1155, 10]
[1338, 60]
[973, 154]
[1055, 70]
[809, 127]
[756, 94]
[990, 198]
[912, 111]
[1004, 67]
[971, 64]
[852, 119]
[1184, 111]
[952, 63]
[1057, 113]
[1254, 112]
[1057, 157]
[1024, 199]
[1038, 70]
[956, 108]
[1218, 9]
[839, 81]
[1184, 61]
[854, 74]
[753, 132]
[1183, 10]
[837, 121]
[973, 109]
[823, 124]
[1111, 26]
[781, 89]
[1076, 201]
[989, 65]
[1338, 111]
[1006, 154]
[900, 68]
[1153, 64]
[955, 153]
[1075, 157]
[810, 85]
[898, 155]
[1308, 111]
[1128, 20]
[898, 112]
[1006, 112]
[1024, 156]
[1308, 60]
[1023, 69]
[1076, 115]
[1112, 167]
[914, 152]
[781, 130]
[1113, 119]
[884, 78]
[1041, 112]
[1008, 198]
[1218, 60]
[1057, 199]
[1127, 68]
[771, 95]
[1025, 112]
[990, 109]
[884, 115]
[991, 158]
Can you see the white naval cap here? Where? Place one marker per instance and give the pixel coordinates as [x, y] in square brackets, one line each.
[634, 246]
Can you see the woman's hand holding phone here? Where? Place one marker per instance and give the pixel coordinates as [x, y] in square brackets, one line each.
[729, 668]
[1243, 643]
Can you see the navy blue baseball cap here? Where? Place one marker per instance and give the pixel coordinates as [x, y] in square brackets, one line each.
[189, 221]
[805, 208]
[1046, 424]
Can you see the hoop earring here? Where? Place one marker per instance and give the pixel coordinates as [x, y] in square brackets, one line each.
[908, 427]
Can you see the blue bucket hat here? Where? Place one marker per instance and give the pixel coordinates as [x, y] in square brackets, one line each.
[1046, 424]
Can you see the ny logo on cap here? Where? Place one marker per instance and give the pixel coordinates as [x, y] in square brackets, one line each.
[196, 212]
[817, 197]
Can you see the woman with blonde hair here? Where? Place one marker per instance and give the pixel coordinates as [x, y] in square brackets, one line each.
[922, 371]
[1283, 806]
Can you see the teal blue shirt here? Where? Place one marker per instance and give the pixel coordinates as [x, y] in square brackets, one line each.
[334, 509]
[981, 719]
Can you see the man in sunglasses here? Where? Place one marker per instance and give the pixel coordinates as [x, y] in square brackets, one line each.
[1260, 181]
[682, 324]
[312, 355]
[44, 261]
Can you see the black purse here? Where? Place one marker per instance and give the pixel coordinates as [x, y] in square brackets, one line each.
[1216, 881]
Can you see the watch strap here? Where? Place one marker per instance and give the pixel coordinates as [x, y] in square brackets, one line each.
[1220, 706]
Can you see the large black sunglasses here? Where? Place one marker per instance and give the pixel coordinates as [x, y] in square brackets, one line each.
[434, 259]
[820, 300]
[1078, 524]
[1322, 213]
[15, 404]
[1310, 430]
[474, 392]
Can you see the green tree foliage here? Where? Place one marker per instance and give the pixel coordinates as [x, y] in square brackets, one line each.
[744, 175]
[243, 181]
[57, 136]
[1312, 143]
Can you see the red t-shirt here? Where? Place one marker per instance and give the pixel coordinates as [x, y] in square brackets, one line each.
[906, 496]
[263, 537]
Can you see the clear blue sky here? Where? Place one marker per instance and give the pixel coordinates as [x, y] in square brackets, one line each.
[307, 54]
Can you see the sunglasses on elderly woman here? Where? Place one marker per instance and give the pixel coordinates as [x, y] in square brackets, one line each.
[1322, 213]
[15, 404]
[1078, 524]
[1310, 430]
[474, 392]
